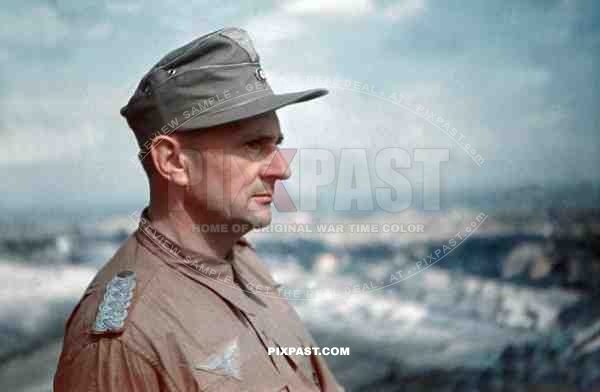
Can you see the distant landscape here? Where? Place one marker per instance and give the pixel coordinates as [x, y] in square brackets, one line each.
[514, 307]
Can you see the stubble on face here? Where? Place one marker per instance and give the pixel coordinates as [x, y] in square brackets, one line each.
[231, 167]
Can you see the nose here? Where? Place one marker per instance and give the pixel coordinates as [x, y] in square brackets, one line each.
[279, 166]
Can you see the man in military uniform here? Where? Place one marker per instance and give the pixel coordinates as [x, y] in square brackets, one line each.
[180, 308]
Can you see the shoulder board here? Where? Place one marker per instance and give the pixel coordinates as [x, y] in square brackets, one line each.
[114, 307]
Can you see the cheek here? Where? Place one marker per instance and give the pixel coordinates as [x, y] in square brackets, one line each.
[236, 188]
[215, 177]
[241, 178]
[209, 178]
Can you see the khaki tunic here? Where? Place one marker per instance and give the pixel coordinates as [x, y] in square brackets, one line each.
[190, 326]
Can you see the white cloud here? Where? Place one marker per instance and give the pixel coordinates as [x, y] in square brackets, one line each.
[351, 119]
[4, 55]
[404, 9]
[50, 120]
[26, 291]
[124, 7]
[37, 26]
[330, 7]
[34, 143]
[100, 31]
[270, 29]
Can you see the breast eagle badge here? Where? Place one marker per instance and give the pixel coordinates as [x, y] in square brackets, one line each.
[226, 362]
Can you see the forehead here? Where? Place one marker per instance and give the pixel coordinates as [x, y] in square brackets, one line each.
[262, 126]
[265, 125]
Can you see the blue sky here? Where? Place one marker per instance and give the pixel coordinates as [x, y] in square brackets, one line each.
[519, 79]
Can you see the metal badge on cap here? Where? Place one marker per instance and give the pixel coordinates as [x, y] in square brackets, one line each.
[260, 74]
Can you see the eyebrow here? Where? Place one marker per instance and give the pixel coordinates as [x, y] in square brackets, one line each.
[261, 134]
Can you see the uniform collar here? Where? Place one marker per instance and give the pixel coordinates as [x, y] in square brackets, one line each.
[227, 276]
[173, 248]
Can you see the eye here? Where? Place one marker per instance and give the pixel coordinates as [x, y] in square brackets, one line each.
[255, 144]
[259, 148]
[258, 144]
[253, 149]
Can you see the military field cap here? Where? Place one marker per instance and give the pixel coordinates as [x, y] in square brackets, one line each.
[213, 80]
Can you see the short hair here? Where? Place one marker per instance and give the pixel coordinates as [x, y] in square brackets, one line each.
[145, 155]
[147, 163]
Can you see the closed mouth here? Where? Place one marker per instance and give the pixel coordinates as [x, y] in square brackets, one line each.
[264, 198]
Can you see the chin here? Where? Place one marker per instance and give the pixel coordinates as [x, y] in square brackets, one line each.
[259, 220]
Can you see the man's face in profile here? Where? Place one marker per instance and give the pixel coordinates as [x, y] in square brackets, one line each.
[234, 168]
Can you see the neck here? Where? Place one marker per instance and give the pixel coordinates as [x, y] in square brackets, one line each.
[187, 231]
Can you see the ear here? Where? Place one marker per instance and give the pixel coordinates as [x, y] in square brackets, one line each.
[169, 160]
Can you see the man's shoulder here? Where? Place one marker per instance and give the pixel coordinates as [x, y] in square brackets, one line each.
[137, 299]
[107, 303]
